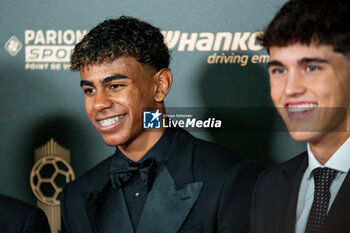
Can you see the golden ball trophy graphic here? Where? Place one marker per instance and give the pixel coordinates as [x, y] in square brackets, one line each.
[49, 173]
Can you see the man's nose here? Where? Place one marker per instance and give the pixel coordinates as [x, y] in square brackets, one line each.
[102, 101]
[295, 85]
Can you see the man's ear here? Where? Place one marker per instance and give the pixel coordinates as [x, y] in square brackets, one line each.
[163, 80]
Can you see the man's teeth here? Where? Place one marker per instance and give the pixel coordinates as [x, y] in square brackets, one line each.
[301, 107]
[110, 121]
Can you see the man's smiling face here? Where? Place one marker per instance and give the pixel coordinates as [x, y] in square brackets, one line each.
[116, 94]
[309, 85]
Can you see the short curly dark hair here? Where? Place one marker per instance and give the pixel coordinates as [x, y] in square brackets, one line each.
[124, 36]
[310, 21]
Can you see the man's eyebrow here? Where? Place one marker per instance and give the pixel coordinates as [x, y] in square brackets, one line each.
[312, 59]
[104, 81]
[86, 83]
[112, 78]
[274, 63]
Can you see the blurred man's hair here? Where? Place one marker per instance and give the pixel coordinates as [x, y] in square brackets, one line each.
[322, 22]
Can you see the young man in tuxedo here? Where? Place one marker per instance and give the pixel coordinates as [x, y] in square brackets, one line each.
[309, 67]
[157, 180]
[19, 217]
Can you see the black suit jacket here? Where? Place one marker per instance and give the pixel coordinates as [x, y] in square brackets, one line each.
[19, 217]
[276, 196]
[201, 188]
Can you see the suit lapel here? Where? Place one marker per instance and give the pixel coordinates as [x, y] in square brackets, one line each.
[294, 173]
[337, 219]
[106, 207]
[167, 205]
[107, 210]
[174, 191]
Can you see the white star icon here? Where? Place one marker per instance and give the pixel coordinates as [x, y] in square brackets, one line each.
[156, 115]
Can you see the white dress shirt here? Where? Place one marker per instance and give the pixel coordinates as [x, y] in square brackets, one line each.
[339, 161]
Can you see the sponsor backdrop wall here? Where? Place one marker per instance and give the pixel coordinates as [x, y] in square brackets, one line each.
[216, 62]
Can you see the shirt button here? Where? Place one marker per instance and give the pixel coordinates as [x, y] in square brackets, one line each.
[137, 194]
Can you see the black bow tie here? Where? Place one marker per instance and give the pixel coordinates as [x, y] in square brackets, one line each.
[122, 171]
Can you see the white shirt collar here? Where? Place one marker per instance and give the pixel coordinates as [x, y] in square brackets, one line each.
[339, 161]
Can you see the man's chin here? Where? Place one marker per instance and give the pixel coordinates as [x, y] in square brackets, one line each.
[112, 141]
[305, 136]
[300, 136]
